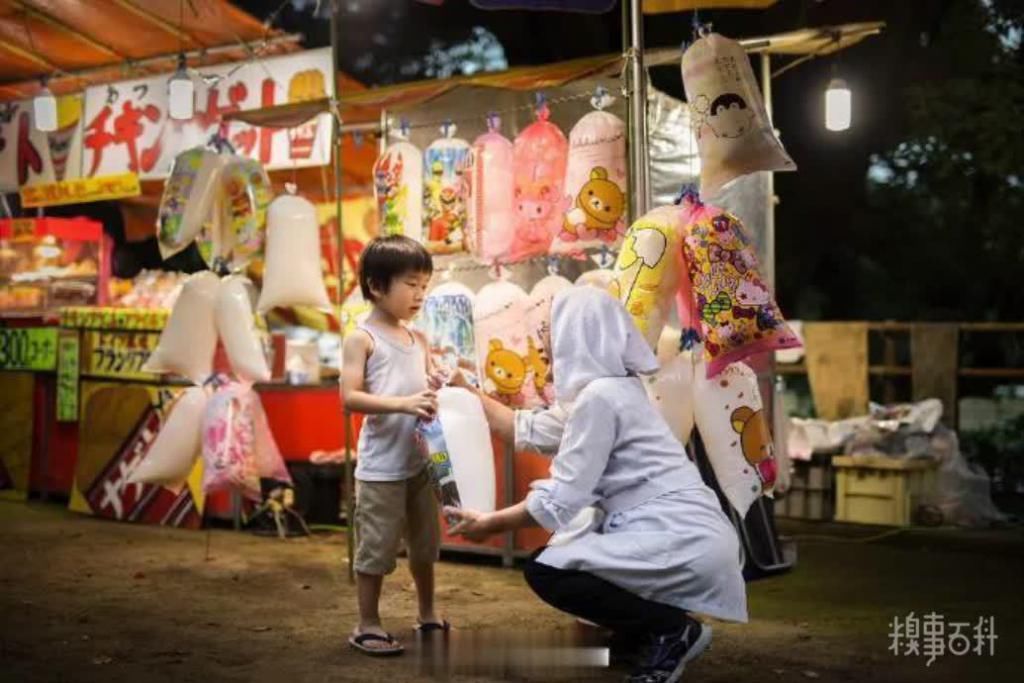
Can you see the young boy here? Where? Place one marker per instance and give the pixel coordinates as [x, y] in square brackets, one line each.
[386, 375]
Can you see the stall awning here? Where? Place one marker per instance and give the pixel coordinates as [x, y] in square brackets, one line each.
[365, 107]
[663, 6]
[78, 43]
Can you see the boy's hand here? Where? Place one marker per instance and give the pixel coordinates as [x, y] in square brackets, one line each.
[458, 379]
[437, 379]
[476, 526]
[423, 404]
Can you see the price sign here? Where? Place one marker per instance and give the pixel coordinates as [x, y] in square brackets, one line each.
[68, 362]
[28, 348]
[118, 355]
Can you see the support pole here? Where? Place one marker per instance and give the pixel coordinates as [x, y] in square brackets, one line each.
[769, 209]
[767, 378]
[338, 188]
[636, 123]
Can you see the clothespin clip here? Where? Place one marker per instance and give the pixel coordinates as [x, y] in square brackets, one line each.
[403, 128]
[688, 193]
[553, 268]
[496, 271]
[603, 258]
[357, 139]
[448, 128]
[541, 106]
[493, 121]
[689, 339]
[446, 275]
[601, 98]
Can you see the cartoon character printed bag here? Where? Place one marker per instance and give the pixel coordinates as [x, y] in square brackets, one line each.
[541, 153]
[734, 309]
[595, 183]
[446, 190]
[513, 365]
[729, 120]
[398, 189]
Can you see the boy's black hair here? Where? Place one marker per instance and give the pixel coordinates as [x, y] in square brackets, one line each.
[386, 258]
[725, 101]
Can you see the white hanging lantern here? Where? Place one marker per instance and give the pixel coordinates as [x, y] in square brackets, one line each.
[838, 105]
[44, 110]
[181, 93]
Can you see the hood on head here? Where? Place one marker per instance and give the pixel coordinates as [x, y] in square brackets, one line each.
[592, 336]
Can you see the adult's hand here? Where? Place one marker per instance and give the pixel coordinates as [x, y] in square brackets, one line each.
[476, 526]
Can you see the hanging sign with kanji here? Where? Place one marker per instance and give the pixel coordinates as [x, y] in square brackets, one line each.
[81, 191]
[127, 127]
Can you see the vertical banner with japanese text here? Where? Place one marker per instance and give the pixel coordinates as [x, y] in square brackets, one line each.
[29, 156]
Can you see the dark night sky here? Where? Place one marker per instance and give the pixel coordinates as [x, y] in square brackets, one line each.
[816, 202]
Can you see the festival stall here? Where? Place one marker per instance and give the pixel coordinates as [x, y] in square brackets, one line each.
[508, 223]
[82, 398]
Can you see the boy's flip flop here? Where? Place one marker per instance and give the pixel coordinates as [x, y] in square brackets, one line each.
[431, 626]
[359, 642]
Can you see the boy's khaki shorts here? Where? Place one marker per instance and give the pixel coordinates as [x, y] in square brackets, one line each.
[387, 509]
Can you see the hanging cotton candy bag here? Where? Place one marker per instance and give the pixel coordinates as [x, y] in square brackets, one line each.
[188, 199]
[447, 322]
[728, 116]
[398, 190]
[293, 276]
[541, 153]
[189, 339]
[510, 361]
[246, 195]
[236, 322]
[492, 194]
[730, 416]
[649, 269]
[229, 442]
[169, 460]
[738, 316]
[595, 184]
[446, 165]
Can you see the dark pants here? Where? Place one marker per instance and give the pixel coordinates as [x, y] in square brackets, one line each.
[592, 598]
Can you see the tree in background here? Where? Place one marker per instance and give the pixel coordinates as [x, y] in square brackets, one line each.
[942, 236]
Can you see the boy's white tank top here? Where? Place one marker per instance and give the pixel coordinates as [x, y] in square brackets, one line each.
[387, 446]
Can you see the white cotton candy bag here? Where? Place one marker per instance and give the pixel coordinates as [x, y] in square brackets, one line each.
[293, 276]
[236, 324]
[189, 339]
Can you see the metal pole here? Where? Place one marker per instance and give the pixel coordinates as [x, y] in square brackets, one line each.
[767, 381]
[336, 129]
[636, 90]
[769, 209]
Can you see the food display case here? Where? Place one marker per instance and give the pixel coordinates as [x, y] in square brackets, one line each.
[47, 263]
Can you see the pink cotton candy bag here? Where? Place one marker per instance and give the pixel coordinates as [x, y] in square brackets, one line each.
[492, 194]
[541, 153]
[730, 303]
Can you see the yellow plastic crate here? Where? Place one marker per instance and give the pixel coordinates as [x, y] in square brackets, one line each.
[878, 489]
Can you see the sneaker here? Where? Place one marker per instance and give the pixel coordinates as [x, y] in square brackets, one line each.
[669, 654]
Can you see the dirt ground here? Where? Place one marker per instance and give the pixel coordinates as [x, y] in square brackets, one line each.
[87, 600]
